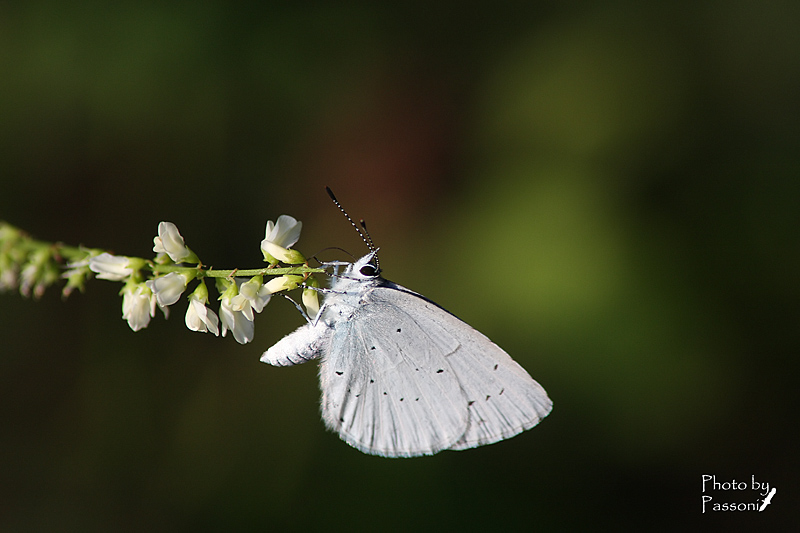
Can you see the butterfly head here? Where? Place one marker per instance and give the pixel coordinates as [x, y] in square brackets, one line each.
[365, 269]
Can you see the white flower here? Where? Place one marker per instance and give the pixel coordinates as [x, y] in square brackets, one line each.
[253, 296]
[285, 232]
[138, 305]
[279, 237]
[198, 316]
[168, 288]
[110, 267]
[235, 321]
[170, 242]
[311, 302]
[201, 318]
[282, 283]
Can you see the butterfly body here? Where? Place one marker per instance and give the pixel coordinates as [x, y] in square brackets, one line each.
[402, 377]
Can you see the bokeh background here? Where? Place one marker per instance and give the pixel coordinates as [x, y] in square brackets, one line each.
[608, 190]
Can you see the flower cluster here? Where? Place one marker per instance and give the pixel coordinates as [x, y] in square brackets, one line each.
[159, 283]
[31, 265]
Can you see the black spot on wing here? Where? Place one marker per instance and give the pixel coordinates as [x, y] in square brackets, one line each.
[339, 373]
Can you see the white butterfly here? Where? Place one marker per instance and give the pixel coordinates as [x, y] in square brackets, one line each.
[402, 377]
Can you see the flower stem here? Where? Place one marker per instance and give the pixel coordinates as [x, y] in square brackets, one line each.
[214, 273]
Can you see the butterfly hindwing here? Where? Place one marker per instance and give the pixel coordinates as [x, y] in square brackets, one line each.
[502, 399]
[387, 387]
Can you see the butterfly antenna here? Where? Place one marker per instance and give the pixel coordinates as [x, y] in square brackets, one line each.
[364, 236]
[314, 256]
[370, 244]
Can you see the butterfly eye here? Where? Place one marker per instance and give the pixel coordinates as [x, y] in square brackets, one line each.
[368, 270]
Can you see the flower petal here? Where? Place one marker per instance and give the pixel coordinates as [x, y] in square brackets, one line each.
[170, 241]
[168, 288]
[201, 318]
[138, 306]
[110, 267]
[288, 229]
[235, 321]
[279, 236]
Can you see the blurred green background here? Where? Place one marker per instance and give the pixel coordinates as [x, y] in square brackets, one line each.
[609, 191]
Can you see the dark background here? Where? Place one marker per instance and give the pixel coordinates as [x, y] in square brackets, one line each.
[610, 192]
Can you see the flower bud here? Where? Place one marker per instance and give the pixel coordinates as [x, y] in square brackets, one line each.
[311, 298]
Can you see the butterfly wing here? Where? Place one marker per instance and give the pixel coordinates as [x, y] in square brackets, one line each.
[387, 387]
[501, 397]
[305, 343]
[403, 377]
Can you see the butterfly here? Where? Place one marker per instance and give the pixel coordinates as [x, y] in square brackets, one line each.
[403, 377]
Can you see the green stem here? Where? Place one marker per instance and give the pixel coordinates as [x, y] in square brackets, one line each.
[12, 238]
[212, 273]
